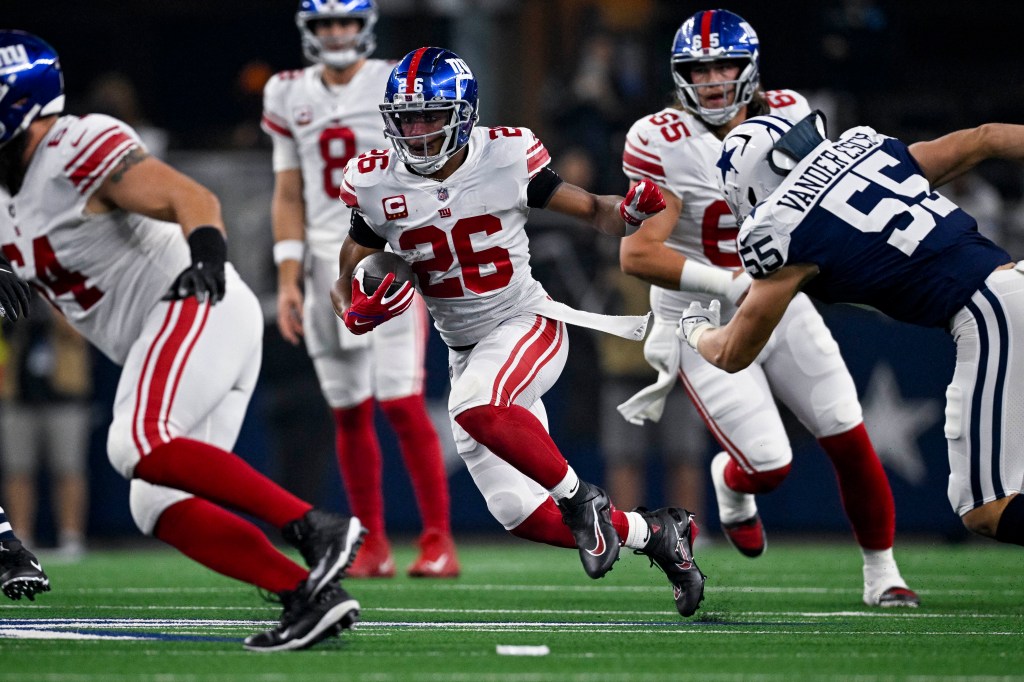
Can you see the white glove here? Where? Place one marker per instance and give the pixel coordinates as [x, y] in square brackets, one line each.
[661, 349]
[697, 319]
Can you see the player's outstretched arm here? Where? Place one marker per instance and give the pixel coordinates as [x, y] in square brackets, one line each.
[952, 155]
[609, 214]
[736, 345]
[143, 184]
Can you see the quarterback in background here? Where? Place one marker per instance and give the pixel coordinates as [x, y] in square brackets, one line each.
[858, 221]
[133, 254]
[452, 199]
[688, 252]
[319, 118]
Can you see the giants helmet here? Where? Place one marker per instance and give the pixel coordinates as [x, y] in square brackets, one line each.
[430, 79]
[31, 82]
[362, 45]
[710, 36]
[759, 153]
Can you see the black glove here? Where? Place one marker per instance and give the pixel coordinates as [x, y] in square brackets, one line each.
[204, 279]
[14, 292]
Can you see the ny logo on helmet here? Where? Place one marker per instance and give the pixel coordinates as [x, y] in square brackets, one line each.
[13, 55]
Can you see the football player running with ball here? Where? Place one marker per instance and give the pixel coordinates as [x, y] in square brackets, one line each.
[133, 254]
[452, 200]
[858, 221]
[319, 118]
[688, 252]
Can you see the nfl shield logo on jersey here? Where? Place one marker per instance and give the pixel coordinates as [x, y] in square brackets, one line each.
[303, 115]
[442, 194]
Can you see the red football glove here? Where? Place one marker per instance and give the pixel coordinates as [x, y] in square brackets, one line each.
[367, 312]
[641, 202]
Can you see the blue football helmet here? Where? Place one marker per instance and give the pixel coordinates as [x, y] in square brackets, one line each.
[31, 82]
[426, 80]
[362, 45]
[710, 36]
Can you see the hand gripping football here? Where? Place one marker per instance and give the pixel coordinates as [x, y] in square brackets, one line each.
[377, 266]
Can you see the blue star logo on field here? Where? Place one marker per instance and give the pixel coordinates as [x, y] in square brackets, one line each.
[896, 423]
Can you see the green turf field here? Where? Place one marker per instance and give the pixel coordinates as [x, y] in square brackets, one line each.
[795, 613]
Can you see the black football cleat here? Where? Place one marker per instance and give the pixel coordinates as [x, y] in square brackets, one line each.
[307, 619]
[21, 574]
[588, 515]
[671, 547]
[328, 543]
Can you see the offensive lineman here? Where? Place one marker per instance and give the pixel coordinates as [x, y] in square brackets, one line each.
[452, 200]
[319, 118]
[133, 254]
[858, 221]
[687, 252]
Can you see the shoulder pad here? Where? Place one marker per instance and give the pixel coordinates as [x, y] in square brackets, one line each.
[763, 249]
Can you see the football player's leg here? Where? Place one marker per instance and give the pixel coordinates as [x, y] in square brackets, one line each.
[212, 536]
[399, 349]
[509, 369]
[189, 358]
[809, 376]
[493, 388]
[741, 414]
[984, 411]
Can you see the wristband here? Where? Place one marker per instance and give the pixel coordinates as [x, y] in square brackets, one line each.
[288, 249]
[207, 244]
[694, 338]
[704, 279]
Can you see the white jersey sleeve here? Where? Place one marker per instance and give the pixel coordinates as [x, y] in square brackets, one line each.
[319, 128]
[104, 271]
[465, 237]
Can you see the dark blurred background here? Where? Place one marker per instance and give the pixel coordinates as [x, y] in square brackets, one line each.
[189, 75]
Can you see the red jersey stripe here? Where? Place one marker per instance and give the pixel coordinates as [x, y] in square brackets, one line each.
[509, 364]
[114, 144]
[71, 164]
[545, 358]
[348, 195]
[644, 166]
[537, 161]
[272, 125]
[112, 158]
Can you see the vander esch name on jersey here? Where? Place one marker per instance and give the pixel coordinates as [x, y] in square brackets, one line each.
[825, 167]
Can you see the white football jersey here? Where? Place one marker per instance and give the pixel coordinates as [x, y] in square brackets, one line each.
[678, 151]
[465, 237]
[105, 271]
[318, 128]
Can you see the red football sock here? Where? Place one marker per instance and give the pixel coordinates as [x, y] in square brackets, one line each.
[359, 461]
[758, 482]
[545, 525]
[221, 477]
[227, 544]
[421, 452]
[518, 437]
[863, 487]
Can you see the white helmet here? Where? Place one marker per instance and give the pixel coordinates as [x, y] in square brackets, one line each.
[759, 153]
[362, 45]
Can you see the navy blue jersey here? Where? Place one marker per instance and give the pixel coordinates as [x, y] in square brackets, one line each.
[861, 210]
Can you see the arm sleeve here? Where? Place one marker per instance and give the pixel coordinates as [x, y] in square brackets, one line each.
[541, 187]
[362, 234]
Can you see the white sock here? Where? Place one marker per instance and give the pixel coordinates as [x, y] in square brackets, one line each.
[639, 532]
[567, 487]
[880, 571]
